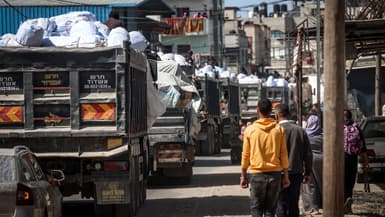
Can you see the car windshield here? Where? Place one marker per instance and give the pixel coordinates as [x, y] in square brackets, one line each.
[7, 169]
[374, 129]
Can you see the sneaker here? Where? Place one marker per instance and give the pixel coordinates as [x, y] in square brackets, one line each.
[348, 206]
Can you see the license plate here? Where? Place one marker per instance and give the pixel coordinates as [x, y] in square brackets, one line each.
[112, 193]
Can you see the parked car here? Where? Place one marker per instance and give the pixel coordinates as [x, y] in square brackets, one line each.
[373, 129]
[25, 190]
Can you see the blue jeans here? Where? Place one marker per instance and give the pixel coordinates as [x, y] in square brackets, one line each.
[264, 191]
[288, 198]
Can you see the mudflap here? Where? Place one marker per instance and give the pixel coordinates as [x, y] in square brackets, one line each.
[112, 192]
[113, 199]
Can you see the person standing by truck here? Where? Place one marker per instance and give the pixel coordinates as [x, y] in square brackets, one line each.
[264, 153]
[300, 162]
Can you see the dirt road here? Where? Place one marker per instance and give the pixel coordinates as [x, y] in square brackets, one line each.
[213, 191]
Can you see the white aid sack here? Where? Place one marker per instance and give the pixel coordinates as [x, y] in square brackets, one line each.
[86, 32]
[30, 34]
[138, 41]
[180, 59]
[61, 41]
[117, 36]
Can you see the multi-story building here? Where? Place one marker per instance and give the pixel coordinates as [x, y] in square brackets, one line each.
[280, 23]
[247, 45]
[197, 26]
[236, 43]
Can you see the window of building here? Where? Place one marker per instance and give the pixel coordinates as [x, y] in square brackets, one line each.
[277, 53]
[183, 49]
[276, 34]
[167, 48]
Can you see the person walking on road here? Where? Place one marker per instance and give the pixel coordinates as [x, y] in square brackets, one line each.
[354, 145]
[312, 191]
[264, 153]
[300, 162]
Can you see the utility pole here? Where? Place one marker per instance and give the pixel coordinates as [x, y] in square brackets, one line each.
[334, 71]
[378, 78]
[298, 75]
[318, 53]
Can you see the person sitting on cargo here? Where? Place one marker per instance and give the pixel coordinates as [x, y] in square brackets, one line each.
[113, 20]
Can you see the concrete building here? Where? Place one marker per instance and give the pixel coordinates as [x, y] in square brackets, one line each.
[206, 40]
[236, 43]
[259, 45]
[280, 23]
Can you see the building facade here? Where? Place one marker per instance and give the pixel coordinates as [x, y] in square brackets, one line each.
[196, 26]
[236, 43]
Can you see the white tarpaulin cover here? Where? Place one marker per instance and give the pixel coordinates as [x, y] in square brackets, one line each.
[177, 90]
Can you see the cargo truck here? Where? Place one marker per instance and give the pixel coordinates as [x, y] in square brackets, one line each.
[230, 116]
[171, 145]
[82, 111]
[209, 139]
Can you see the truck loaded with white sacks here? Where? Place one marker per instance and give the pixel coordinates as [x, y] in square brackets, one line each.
[171, 137]
[83, 109]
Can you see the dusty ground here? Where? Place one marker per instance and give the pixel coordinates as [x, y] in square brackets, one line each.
[214, 191]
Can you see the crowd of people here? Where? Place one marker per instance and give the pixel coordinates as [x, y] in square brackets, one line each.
[282, 160]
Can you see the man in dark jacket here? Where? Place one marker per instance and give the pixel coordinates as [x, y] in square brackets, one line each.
[300, 162]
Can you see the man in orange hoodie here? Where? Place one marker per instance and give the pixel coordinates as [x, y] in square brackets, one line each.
[264, 154]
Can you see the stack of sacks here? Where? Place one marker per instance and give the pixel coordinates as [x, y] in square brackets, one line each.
[271, 82]
[207, 70]
[71, 30]
[174, 57]
[276, 82]
[251, 79]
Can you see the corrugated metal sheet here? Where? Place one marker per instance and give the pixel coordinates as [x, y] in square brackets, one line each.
[11, 18]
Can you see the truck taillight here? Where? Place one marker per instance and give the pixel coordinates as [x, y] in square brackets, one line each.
[115, 165]
[23, 195]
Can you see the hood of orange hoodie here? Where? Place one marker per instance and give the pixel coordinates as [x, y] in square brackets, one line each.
[265, 124]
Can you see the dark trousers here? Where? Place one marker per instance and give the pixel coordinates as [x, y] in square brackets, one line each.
[350, 174]
[264, 191]
[288, 197]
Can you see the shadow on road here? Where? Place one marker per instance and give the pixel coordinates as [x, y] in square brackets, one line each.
[211, 163]
[200, 180]
[196, 207]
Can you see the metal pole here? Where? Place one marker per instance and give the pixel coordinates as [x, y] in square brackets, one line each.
[318, 53]
[378, 78]
[334, 72]
[299, 76]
